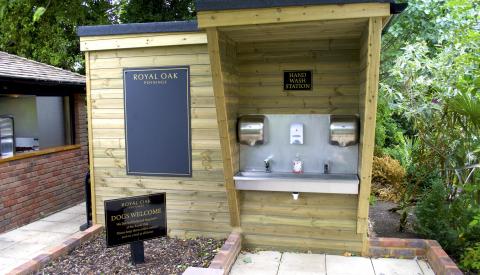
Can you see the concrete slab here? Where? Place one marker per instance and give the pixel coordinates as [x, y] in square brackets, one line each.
[46, 238]
[60, 217]
[385, 266]
[340, 265]
[46, 226]
[302, 264]
[77, 209]
[425, 267]
[67, 227]
[260, 263]
[6, 244]
[22, 250]
[8, 264]
[22, 244]
[202, 271]
[16, 235]
[41, 225]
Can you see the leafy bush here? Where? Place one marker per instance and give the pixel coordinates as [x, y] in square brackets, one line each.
[449, 221]
[471, 259]
[388, 179]
[433, 217]
[389, 135]
[429, 91]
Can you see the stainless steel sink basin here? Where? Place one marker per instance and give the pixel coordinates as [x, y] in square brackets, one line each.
[290, 182]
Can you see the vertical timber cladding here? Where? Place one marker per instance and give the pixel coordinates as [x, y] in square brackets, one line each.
[157, 121]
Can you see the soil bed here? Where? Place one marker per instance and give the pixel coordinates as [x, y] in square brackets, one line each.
[386, 223]
[162, 256]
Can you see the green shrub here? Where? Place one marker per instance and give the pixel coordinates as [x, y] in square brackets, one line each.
[433, 217]
[471, 259]
[448, 220]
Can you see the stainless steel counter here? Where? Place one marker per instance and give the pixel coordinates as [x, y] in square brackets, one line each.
[290, 182]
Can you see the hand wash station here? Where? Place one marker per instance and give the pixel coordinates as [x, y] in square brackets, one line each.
[279, 99]
[304, 153]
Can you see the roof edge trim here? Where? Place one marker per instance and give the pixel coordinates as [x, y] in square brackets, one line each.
[217, 5]
[133, 28]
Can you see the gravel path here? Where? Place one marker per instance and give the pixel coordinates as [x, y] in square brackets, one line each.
[162, 256]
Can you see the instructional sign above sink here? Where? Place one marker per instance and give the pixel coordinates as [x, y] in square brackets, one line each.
[297, 80]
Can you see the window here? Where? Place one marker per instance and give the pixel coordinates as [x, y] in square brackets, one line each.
[39, 121]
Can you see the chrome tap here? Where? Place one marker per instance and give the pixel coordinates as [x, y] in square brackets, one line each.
[268, 166]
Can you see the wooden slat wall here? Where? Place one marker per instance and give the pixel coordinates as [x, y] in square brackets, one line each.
[315, 222]
[195, 206]
[334, 64]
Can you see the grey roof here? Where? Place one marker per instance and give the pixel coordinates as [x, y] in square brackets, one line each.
[206, 5]
[155, 27]
[20, 68]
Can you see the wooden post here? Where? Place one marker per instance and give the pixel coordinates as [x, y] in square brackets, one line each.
[90, 138]
[226, 138]
[272, 15]
[370, 55]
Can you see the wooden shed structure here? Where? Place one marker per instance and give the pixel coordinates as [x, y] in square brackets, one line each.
[237, 53]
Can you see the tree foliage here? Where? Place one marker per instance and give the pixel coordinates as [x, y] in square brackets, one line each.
[134, 11]
[45, 30]
[430, 86]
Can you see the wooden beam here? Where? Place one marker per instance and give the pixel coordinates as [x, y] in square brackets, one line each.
[41, 152]
[207, 19]
[222, 118]
[386, 20]
[368, 99]
[140, 41]
[90, 138]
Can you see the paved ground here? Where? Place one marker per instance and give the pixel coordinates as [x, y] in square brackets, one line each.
[20, 245]
[276, 263]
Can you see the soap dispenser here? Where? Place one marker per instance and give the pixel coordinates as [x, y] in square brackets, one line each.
[297, 165]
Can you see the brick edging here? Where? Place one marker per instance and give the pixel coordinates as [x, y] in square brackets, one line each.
[438, 259]
[227, 255]
[52, 253]
[224, 260]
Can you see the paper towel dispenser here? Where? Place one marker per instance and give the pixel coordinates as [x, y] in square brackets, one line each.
[344, 130]
[251, 130]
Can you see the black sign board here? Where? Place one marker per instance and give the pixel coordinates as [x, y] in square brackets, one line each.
[135, 219]
[297, 80]
[157, 121]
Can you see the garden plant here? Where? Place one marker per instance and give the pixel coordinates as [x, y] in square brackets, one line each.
[429, 120]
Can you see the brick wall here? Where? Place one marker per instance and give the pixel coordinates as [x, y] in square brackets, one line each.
[412, 248]
[34, 187]
[81, 129]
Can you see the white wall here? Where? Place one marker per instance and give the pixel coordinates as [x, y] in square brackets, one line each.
[24, 111]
